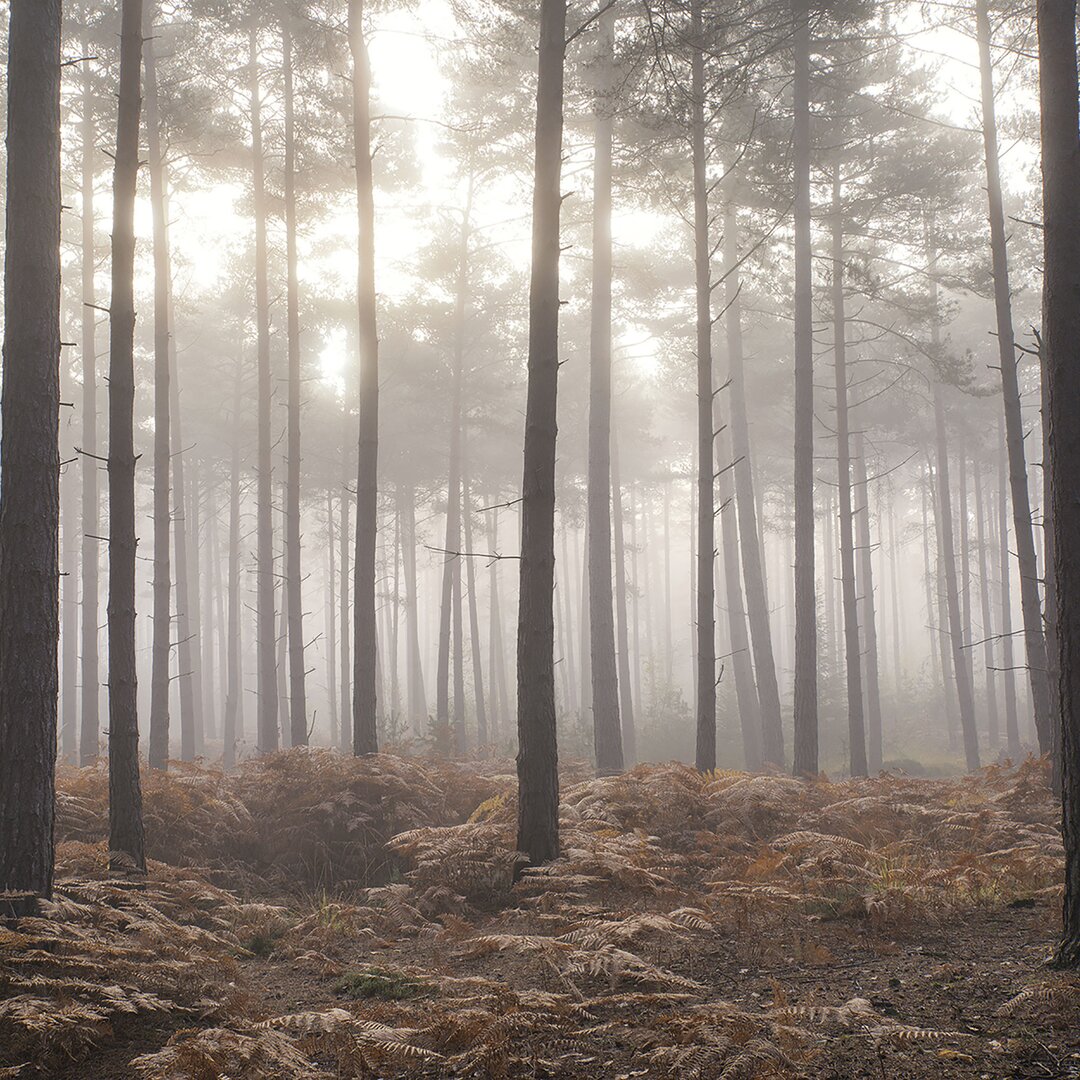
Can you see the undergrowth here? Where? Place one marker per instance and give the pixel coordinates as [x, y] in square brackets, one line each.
[391, 886]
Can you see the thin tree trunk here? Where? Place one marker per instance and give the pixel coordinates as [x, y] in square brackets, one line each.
[294, 578]
[992, 719]
[537, 761]
[746, 694]
[852, 647]
[217, 591]
[417, 696]
[1030, 603]
[89, 718]
[895, 605]
[206, 612]
[929, 578]
[281, 644]
[395, 619]
[161, 650]
[806, 658]
[265, 603]
[626, 700]
[496, 698]
[69, 637]
[331, 622]
[345, 727]
[126, 841]
[194, 517]
[965, 552]
[705, 697]
[869, 621]
[235, 675]
[29, 446]
[961, 670]
[1060, 345]
[757, 603]
[482, 734]
[365, 673]
[636, 620]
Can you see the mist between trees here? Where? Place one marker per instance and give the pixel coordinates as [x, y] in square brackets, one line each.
[323, 267]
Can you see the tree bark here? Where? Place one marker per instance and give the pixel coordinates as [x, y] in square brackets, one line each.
[607, 735]
[757, 604]
[869, 620]
[161, 650]
[961, 670]
[235, 675]
[1030, 603]
[705, 698]
[852, 646]
[537, 759]
[294, 579]
[331, 621]
[126, 841]
[1061, 356]
[992, 719]
[483, 736]
[417, 696]
[365, 634]
[626, 699]
[806, 658]
[29, 447]
[90, 712]
[266, 593]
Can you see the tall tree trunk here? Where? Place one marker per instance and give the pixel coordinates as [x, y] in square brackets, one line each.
[537, 760]
[161, 650]
[216, 585]
[992, 719]
[1030, 603]
[896, 601]
[948, 673]
[89, 718]
[576, 693]
[294, 579]
[1061, 356]
[331, 622]
[187, 626]
[852, 645]
[806, 658]
[281, 644]
[235, 675]
[365, 668]
[929, 579]
[29, 448]
[344, 637]
[125, 794]
[757, 604]
[639, 662]
[626, 700]
[395, 620]
[869, 620]
[496, 699]
[961, 669]
[266, 593]
[705, 697]
[746, 694]
[965, 552]
[482, 733]
[205, 582]
[69, 637]
[417, 696]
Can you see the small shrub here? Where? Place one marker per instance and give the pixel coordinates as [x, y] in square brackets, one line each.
[382, 984]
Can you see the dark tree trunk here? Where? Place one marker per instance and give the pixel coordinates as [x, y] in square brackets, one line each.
[896, 601]
[852, 645]
[948, 674]
[607, 736]
[992, 720]
[930, 579]
[344, 637]
[626, 700]
[365, 634]
[537, 759]
[126, 842]
[69, 602]
[89, 718]
[705, 697]
[1030, 603]
[869, 620]
[161, 650]
[29, 448]
[1061, 355]
[266, 593]
[757, 603]
[298, 722]
[806, 658]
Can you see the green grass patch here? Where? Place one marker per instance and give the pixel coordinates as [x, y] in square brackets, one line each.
[383, 984]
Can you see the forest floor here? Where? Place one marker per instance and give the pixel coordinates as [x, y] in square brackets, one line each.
[696, 926]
